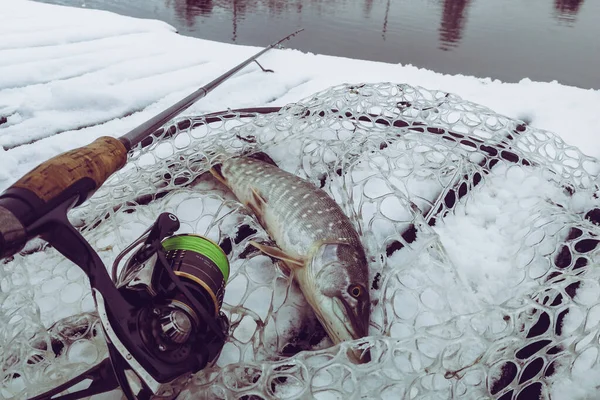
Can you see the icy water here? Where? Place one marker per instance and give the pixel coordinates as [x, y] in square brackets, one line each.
[544, 40]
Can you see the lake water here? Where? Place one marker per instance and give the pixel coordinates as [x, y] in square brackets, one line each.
[544, 40]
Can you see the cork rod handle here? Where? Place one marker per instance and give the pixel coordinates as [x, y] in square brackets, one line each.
[76, 173]
[97, 161]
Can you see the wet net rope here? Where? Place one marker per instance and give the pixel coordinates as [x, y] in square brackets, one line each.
[481, 234]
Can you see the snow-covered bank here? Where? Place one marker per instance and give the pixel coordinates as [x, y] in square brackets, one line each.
[70, 75]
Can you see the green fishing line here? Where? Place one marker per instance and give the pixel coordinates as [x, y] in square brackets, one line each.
[201, 246]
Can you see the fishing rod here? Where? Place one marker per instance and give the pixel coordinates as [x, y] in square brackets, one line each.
[80, 172]
[161, 315]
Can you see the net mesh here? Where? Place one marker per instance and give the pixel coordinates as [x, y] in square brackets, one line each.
[481, 234]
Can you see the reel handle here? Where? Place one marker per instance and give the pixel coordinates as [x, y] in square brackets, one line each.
[75, 174]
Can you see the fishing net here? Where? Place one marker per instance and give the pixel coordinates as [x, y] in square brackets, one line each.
[481, 234]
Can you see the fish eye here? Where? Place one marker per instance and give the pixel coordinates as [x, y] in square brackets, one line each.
[355, 291]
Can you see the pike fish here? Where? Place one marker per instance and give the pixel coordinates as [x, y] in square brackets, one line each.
[314, 238]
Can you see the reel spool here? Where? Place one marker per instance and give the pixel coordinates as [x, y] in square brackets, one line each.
[201, 264]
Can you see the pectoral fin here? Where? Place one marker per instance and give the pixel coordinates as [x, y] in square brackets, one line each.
[216, 172]
[276, 252]
[257, 205]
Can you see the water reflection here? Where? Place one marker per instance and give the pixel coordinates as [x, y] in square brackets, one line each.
[566, 10]
[188, 10]
[385, 20]
[451, 28]
[453, 23]
[367, 8]
[431, 34]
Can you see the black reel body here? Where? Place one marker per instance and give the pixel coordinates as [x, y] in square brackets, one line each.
[161, 316]
[173, 328]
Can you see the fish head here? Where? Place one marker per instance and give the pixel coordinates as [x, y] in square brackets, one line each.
[341, 295]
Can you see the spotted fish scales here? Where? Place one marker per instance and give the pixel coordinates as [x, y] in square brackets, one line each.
[315, 239]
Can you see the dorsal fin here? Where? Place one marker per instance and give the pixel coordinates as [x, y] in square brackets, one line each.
[264, 157]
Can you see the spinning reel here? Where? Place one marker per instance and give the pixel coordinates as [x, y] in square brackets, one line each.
[161, 314]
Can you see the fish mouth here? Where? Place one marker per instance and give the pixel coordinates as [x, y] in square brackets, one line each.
[359, 319]
[359, 322]
[341, 320]
[345, 323]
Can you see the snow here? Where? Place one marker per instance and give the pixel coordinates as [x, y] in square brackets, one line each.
[481, 239]
[69, 76]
